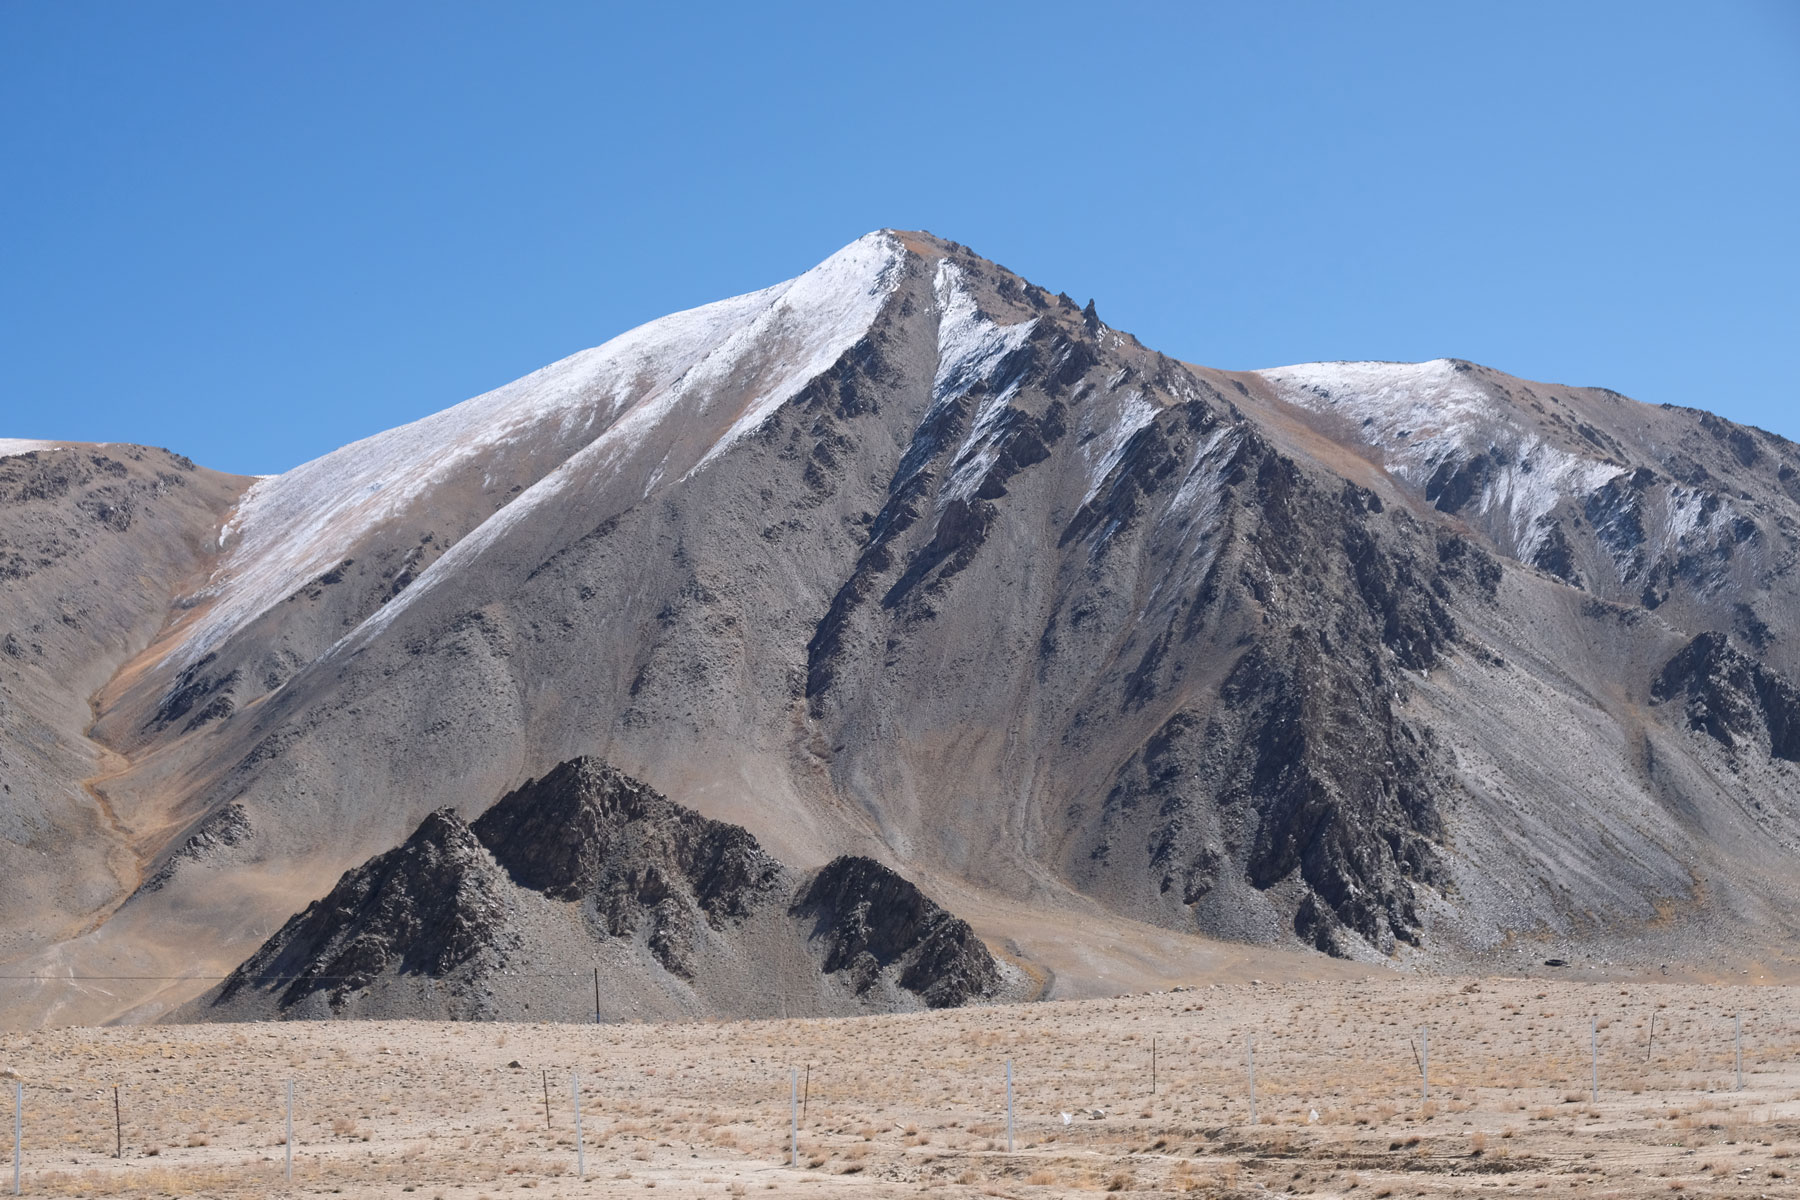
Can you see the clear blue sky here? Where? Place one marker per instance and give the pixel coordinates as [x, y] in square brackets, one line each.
[253, 232]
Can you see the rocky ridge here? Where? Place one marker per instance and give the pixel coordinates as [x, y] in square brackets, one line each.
[440, 924]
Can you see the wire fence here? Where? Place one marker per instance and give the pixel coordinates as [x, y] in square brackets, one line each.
[255, 1108]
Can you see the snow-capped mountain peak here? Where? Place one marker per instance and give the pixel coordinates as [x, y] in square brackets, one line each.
[718, 372]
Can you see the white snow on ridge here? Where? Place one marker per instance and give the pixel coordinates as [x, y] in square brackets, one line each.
[969, 345]
[589, 412]
[1683, 517]
[1399, 405]
[814, 322]
[1135, 412]
[12, 446]
[1421, 414]
[970, 348]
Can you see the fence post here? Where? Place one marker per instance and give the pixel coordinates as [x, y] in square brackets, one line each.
[1594, 1045]
[1424, 1062]
[290, 1131]
[1250, 1058]
[1009, 1107]
[794, 1118]
[580, 1150]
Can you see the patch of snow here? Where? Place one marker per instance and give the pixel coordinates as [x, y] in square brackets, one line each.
[1684, 517]
[1419, 415]
[969, 345]
[1203, 478]
[1522, 493]
[815, 321]
[970, 349]
[1427, 400]
[12, 446]
[1135, 412]
[590, 412]
[1191, 521]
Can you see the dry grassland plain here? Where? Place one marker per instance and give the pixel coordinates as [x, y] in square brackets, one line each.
[915, 1105]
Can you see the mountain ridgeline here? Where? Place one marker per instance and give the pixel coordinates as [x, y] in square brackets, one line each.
[912, 561]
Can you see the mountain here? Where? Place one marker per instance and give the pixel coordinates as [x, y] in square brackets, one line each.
[681, 915]
[907, 558]
[95, 544]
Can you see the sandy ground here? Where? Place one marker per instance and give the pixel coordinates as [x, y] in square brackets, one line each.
[915, 1105]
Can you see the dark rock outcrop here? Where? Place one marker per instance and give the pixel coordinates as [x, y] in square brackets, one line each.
[425, 907]
[589, 832]
[446, 905]
[870, 919]
[1343, 790]
[1731, 697]
[220, 831]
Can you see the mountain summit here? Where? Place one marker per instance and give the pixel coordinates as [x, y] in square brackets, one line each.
[912, 560]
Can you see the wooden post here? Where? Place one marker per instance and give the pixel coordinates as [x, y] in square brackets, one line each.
[1652, 1046]
[805, 1091]
[596, 995]
[794, 1118]
[290, 1131]
[1009, 1107]
[546, 1099]
[580, 1150]
[1250, 1057]
[1740, 1052]
[118, 1126]
[1424, 1062]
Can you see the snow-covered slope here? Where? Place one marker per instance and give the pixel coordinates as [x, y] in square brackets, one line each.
[12, 446]
[703, 378]
[1532, 466]
[1426, 419]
